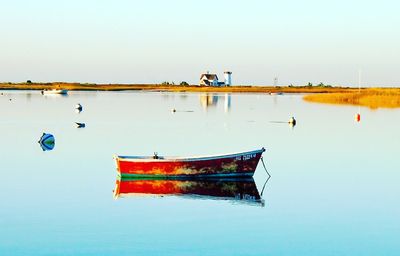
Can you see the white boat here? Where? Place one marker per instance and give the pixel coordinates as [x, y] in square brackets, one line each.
[275, 93]
[55, 91]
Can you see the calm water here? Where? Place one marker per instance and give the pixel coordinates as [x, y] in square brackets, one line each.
[334, 188]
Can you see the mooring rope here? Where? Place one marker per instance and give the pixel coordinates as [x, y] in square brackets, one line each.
[265, 168]
[269, 175]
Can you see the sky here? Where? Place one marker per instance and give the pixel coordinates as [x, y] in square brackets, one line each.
[129, 41]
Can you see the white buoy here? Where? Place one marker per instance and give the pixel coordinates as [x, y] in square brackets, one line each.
[292, 121]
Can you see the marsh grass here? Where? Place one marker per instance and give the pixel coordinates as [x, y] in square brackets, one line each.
[372, 97]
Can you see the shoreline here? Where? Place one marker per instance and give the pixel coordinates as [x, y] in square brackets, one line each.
[367, 97]
[174, 88]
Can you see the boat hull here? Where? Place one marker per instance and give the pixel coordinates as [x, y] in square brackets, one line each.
[55, 91]
[241, 164]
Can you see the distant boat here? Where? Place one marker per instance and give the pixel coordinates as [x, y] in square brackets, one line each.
[234, 165]
[55, 91]
[237, 190]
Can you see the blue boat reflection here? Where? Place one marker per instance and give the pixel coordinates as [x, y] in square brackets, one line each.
[235, 190]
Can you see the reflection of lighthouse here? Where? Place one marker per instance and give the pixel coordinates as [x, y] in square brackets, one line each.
[227, 105]
[228, 78]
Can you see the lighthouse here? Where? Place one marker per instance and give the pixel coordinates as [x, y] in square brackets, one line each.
[228, 78]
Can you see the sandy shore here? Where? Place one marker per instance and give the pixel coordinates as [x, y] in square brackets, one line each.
[173, 88]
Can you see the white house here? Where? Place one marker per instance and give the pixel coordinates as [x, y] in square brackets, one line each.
[212, 79]
[209, 79]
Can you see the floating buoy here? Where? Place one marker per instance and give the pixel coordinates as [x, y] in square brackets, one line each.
[357, 117]
[173, 110]
[80, 125]
[47, 142]
[78, 107]
[292, 121]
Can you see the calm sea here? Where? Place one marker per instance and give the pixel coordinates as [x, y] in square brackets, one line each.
[334, 188]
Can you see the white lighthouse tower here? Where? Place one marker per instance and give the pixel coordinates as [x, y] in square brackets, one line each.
[228, 78]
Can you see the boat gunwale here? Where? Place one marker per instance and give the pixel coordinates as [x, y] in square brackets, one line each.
[184, 159]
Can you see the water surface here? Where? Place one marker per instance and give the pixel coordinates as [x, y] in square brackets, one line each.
[334, 187]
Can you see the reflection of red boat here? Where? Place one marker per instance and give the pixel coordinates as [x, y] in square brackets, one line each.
[241, 190]
[230, 165]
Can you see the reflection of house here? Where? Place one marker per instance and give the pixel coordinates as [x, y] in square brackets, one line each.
[211, 100]
[212, 79]
[209, 79]
[208, 100]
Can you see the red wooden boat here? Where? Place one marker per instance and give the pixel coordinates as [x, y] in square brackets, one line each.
[241, 164]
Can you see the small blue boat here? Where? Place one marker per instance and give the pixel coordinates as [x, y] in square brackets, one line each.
[47, 142]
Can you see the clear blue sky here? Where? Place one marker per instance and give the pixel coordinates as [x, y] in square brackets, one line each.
[157, 40]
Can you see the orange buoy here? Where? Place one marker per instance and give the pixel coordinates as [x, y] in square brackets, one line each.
[357, 117]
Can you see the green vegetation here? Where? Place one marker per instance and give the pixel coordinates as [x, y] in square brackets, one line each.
[168, 83]
[321, 84]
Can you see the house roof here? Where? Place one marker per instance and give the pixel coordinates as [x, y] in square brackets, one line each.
[209, 76]
[206, 82]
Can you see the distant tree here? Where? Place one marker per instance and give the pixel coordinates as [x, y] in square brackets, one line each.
[29, 82]
[309, 84]
[183, 83]
[321, 84]
[290, 85]
[168, 83]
